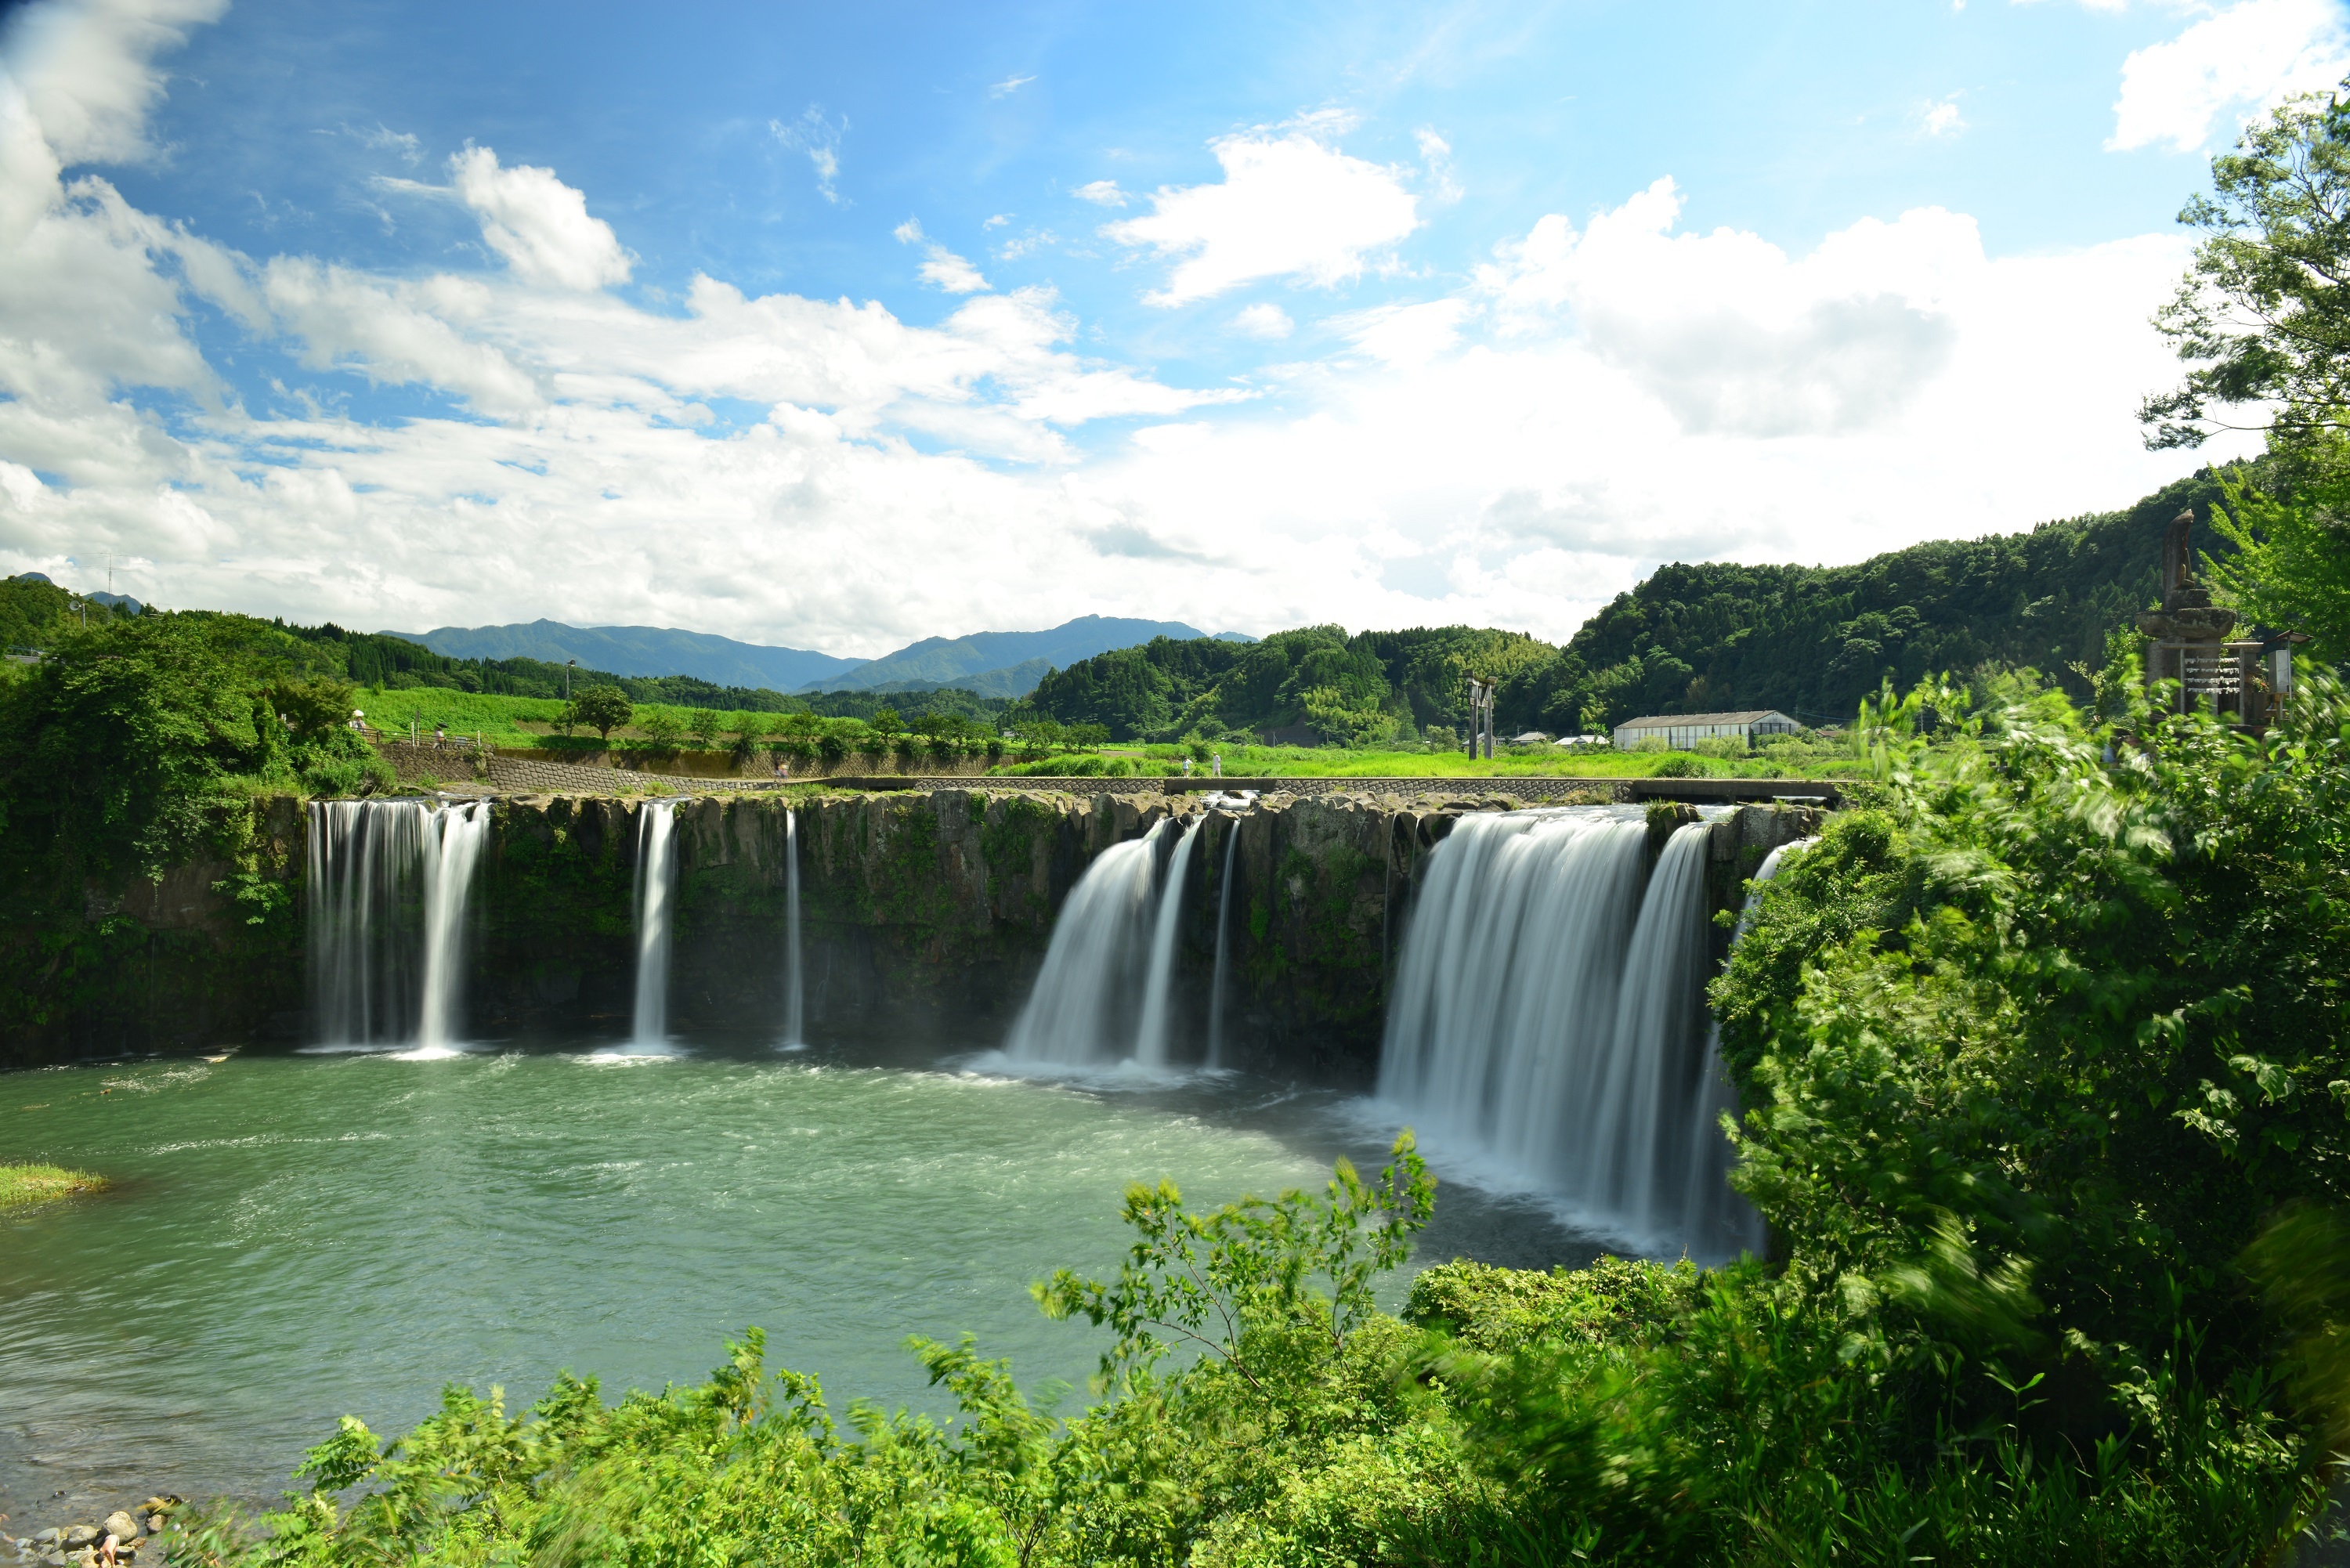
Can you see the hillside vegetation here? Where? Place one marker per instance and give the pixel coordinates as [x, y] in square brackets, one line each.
[1811, 642]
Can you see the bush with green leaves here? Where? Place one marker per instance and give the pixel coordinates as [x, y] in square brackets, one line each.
[660, 727]
[2034, 1044]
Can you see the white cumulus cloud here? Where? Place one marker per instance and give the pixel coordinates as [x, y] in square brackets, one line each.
[537, 222]
[2246, 58]
[1101, 193]
[940, 267]
[1264, 319]
[1289, 206]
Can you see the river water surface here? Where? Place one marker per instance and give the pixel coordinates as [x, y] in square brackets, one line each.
[293, 1237]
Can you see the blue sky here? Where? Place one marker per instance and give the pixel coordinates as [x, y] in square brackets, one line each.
[835, 326]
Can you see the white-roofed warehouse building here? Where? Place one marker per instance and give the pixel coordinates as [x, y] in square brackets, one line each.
[1680, 731]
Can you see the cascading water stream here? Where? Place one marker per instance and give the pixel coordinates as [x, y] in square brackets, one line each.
[794, 989]
[656, 889]
[1079, 1011]
[1636, 1165]
[1150, 1036]
[453, 840]
[1223, 926]
[390, 883]
[1548, 1014]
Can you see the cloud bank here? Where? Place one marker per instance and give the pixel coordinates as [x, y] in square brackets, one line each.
[1511, 446]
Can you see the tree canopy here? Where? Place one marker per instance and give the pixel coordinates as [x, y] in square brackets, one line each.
[2263, 317]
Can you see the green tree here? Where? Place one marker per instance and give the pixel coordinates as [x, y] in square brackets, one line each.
[750, 731]
[312, 708]
[2262, 317]
[2289, 568]
[705, 725]
[662, 726]
[602, 709]
[886, 723]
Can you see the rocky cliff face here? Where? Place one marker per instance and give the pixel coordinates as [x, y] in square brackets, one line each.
[209, 951]
[926, 914]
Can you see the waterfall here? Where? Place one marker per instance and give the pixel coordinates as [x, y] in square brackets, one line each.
[656, 890]
[1223, 926]
[1548, 1016]
[453, 852]
[390, 882]
[1150, 1036]
[1096, 962]
[794, 990]
[1636, 1165]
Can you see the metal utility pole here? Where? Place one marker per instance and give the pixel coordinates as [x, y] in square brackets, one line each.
[567, 678]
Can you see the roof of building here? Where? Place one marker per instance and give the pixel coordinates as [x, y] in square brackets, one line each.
[1674, 721]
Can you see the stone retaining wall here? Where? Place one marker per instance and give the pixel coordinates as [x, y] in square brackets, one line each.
[442, 761]
[1562, 791]
[572, 778]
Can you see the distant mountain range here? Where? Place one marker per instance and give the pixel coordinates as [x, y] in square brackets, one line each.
[639, 651]
[1003, 663]
[991, 663]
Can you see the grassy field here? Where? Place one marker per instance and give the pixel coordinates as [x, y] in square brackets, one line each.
[1791, 759]
[22, 1184]
[529, 722]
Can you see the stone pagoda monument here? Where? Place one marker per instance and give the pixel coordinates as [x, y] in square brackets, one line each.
[2190, 635]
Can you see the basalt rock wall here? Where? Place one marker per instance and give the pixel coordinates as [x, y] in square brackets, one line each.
[210, 951]
[926, 914]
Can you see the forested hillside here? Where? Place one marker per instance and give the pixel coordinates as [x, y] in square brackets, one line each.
[1809, 640]
[35, 612]
[1374, 687]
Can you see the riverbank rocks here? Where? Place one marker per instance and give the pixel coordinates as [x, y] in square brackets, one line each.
[128, 1533]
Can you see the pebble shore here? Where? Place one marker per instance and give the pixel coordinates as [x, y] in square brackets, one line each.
[128, 1535]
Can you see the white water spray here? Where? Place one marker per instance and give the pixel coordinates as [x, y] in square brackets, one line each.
[794, 1033]
[1080, 1010]
[656, 892]
[1224, 928]
[1150, 1036]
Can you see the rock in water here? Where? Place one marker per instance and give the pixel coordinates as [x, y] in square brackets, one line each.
[82, 1536]
[123, 1527]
